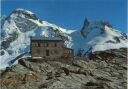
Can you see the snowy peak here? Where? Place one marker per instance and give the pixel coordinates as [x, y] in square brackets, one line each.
[94, 26]
[98, 36]
[24, 20]
[20, 21]
[100, 28]
[23, 13]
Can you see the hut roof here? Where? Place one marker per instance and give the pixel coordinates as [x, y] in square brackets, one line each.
[46, 39]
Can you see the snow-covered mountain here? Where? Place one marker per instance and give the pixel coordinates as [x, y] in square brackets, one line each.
[20, 25]
[98, 36]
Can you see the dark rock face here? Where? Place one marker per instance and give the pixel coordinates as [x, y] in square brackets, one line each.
[24, 24]
[85, 27]
[110, 41]
[109, 54]
[25, 13]
[6, 43]
[106, 23]
[97, 73]
[2, 19]
[2, 52]
[117, 39]
[124, 36]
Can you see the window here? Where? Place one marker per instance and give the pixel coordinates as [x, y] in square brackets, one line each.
[33, 44]
[37, 44]
[70, 51]
[55, 44]
[47, 52]
[46, 44]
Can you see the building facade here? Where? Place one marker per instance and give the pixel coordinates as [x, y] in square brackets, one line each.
[50, 49]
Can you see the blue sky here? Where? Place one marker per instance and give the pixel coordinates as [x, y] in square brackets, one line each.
[70, 14]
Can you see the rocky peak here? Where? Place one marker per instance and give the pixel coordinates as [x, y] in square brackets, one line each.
[20, 20]
[94, 26]
[86, 22]
[23, 13]
[85, 26]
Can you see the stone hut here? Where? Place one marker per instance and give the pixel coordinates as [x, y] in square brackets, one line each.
[50, 49]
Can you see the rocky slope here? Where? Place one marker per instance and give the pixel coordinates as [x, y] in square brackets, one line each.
[108, 72]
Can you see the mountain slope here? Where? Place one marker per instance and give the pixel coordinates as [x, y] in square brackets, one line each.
[20, 25]
[97, 36]
[97, 74]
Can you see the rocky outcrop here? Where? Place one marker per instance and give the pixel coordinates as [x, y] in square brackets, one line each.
[86, 74]
[109, 54]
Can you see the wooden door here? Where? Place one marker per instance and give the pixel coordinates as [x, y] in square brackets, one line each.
[47, 52]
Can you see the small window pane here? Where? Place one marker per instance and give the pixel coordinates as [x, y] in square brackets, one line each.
[55, 44]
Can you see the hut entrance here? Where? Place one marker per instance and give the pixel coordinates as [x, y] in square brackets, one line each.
[47, 52]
